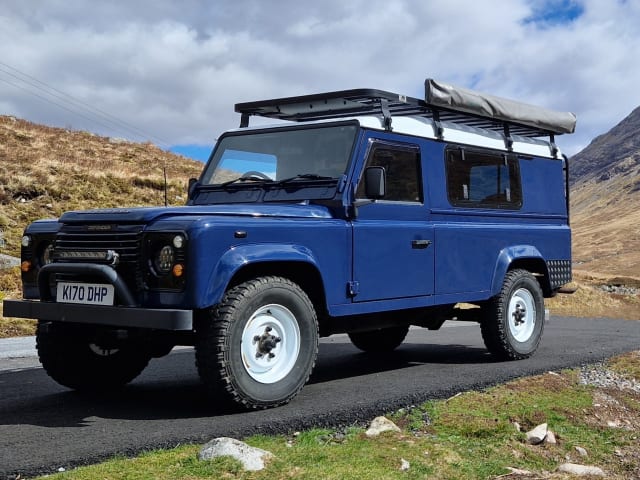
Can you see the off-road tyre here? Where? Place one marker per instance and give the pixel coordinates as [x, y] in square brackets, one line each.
[383, 340]
[232, 360]
[513, 321]
[70, 355]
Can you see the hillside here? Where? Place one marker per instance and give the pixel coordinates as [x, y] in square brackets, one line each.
[45, 171]
[606, 202]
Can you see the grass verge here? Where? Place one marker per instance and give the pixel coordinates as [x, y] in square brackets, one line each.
[469, 436]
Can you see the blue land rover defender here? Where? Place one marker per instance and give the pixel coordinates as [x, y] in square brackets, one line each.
[361, 212]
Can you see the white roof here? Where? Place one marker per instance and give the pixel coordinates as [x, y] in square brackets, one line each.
[463, 134]
[419, 126]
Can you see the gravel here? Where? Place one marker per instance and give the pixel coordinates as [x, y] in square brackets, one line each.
[598, 375]
[619, 289]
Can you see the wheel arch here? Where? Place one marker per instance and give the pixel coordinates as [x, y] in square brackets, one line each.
[293, 262]
[524, 257]
[304, 274]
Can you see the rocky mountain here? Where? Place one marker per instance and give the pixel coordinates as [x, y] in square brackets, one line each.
[613, 154]
[605, 201]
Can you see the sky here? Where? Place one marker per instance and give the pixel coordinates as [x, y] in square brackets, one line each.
[170, 72]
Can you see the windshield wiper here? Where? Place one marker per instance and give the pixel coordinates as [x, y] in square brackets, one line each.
[304, 176]
[245, 179]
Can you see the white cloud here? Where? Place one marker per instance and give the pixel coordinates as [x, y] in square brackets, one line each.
[175, 69]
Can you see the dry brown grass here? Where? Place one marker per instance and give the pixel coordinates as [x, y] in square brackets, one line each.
[590, 301]
[10, 287]
[45, 171]
[606, 226]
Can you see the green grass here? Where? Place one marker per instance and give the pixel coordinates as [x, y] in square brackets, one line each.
[471, 436]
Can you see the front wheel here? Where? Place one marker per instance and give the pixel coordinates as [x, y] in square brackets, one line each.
[75, 356]
[513, 320]
[258, 346]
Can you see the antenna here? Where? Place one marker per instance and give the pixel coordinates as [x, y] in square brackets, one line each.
[164, 170]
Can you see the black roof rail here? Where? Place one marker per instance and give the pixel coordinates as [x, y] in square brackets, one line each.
[366, 101]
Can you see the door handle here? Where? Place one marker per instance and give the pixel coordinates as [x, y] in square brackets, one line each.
[420, 244]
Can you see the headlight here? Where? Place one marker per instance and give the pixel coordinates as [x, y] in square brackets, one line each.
[26, 241]
[164, 259]
[178, 241]
[47, 255]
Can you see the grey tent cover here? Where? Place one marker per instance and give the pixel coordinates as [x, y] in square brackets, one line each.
[461, 99]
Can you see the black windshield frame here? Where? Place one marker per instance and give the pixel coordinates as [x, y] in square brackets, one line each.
[302, 152]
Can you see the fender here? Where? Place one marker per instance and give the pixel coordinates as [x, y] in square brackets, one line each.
[506, 257]
[237, 257]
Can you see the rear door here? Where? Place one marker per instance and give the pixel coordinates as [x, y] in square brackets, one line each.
[393, 247]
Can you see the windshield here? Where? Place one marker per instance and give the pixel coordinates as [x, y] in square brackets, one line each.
[276, 155]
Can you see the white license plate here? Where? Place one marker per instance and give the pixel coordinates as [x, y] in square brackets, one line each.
[86, 293]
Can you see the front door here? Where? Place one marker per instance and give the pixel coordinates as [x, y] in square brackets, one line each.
[392, 240]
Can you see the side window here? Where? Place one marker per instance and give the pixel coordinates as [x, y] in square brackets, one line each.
[402, 168]
[483, 180]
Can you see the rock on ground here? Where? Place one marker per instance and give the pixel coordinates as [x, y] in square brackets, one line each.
[537, 435]
[582, 452]
[379, 425]
[581, 470]
[550, 438]
[7, 261]
[252, 459]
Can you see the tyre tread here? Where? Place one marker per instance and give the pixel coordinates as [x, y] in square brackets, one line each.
[211, 356]
[494, 325]
[64, 357]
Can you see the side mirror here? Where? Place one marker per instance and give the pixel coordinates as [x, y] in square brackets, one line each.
[192, 186]
[375, 182]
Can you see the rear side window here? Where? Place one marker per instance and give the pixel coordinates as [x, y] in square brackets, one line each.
[483, 180]
[402, 168]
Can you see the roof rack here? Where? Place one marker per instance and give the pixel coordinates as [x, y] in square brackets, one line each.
[443, 103]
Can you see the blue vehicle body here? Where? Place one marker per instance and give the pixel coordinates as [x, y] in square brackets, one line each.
[425, 241]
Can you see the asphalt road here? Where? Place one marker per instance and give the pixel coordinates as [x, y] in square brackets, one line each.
[44, 426]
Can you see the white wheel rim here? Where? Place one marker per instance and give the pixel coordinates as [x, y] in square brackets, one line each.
[273, 362]
[522, 315]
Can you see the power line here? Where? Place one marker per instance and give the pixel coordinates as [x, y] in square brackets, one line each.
[55, 103]
[73, 104]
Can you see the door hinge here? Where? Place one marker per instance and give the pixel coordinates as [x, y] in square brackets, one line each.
[353, 288]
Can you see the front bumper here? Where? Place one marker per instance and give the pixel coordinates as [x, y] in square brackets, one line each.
[131, 317]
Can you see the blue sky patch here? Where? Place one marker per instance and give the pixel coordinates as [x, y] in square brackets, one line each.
[555, 12]
[197, 152]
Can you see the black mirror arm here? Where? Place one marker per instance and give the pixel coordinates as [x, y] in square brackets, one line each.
[361, 202]
[193, 183]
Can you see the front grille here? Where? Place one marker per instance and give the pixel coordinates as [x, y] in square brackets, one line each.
[125, 240]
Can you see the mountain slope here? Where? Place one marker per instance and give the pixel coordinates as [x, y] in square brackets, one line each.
[605, 201]
[45, 171]
[616, 153]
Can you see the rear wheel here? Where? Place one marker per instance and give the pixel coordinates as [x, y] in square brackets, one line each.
[381, 340]
[513, 320]
[75, 357]
[259, 345]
